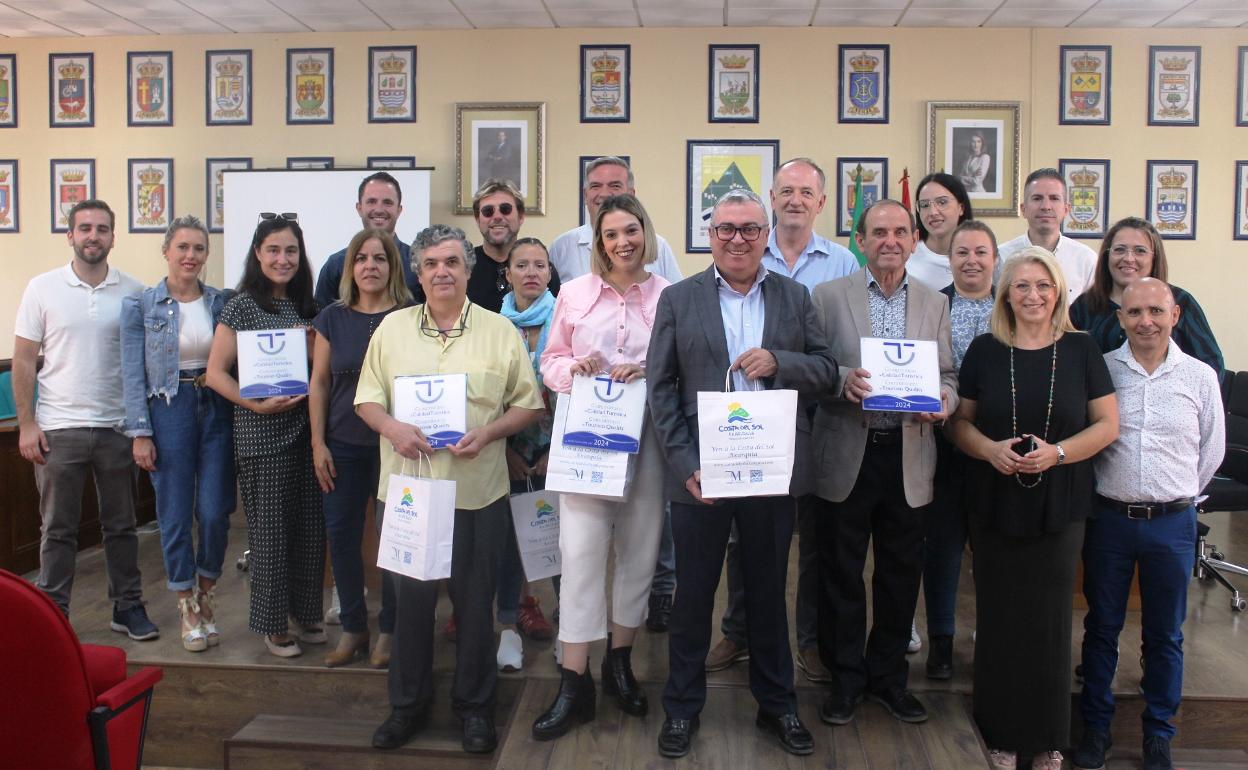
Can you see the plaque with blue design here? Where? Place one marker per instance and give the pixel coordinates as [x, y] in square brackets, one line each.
[435, 403]
[905, 375]
[606, 414]
[273, 362]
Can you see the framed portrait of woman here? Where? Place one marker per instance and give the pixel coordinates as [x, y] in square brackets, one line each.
[978, 142]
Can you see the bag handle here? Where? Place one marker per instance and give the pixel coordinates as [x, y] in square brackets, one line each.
[428, 461]
[728, 380]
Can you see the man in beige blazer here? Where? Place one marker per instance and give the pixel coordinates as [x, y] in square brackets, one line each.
[874, 472]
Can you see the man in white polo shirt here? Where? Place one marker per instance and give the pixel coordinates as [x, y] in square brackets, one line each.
[73, 314]
[1045, 204]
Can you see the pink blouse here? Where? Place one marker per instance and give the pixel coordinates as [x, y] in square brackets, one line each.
[592, 317]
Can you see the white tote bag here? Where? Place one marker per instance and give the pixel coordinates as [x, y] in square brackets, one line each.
[535, 515]
[746, 441]
[418, 527]
[582, 470]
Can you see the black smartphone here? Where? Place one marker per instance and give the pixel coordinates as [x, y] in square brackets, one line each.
[1024, 445]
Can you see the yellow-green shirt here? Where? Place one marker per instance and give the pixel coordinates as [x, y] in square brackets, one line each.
[499, 376]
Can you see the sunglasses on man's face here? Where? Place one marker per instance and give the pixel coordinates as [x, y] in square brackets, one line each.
[271, 216]
[505, 209]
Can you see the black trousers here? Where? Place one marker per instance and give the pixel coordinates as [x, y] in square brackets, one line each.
[876, 514]
[479, 538]
[700, 533]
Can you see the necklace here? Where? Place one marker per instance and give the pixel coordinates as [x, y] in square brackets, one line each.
[1048, 412]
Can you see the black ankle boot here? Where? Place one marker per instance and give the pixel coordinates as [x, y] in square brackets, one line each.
[574, 703]
[617, 680]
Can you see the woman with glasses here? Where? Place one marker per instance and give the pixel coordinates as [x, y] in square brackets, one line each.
[602, 325]
[272, 446]
[344, 449]
[1037, 405]
[1133, 249]
[181, 429]
[941, 204]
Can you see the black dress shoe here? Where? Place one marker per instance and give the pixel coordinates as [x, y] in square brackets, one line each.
[789, 730]
[574, 703]
[398, 729]
[479, 736]
[660, 612]
[618, 680]
[676, 737]
[838, 709]
[940, 658]
[899, 702]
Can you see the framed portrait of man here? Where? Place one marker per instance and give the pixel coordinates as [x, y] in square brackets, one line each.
[500, 140]
[978, 142]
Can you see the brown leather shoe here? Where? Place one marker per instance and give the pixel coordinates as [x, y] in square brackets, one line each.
[380, 656]
[349, 645]
[725, 654]
[810, 664]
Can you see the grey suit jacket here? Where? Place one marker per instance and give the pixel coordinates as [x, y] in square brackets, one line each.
[689, 353]
[840, 436]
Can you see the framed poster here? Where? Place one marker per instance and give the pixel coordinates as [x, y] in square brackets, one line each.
[978, 142]
[71, 90]
[8, 90]
[580, 181]
[391, 84]
[732, 84]
[149, 88]
[150, 194]
[1173, 85]
[227, 88]
[862, 96]
[313, 163]
[717, 166]
[1087, 189]
[500, 140]
[874, 172]
[392, 161]
[72, 181]
[1241, 199]
[1084, 85]
[606, 72]
[214, 192]
[1171, 198]
[8, 196]
[309, 85]
[1241, 87]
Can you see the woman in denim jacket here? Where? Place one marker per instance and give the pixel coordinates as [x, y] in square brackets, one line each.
[182, 430]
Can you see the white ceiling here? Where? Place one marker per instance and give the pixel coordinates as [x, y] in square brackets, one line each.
[60, 18]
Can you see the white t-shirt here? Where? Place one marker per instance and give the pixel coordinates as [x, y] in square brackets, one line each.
[79, 329]
[1078, 262]
[929, 268]
[194, 334]
[569, 253]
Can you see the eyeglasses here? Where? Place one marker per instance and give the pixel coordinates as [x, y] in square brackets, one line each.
[1139, 251]
[941, 203]
[451, 333]
[270, 216]
[1043, 288]
[728, 232]
[505, 209]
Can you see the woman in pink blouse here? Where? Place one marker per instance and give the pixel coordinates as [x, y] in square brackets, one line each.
[601, 325]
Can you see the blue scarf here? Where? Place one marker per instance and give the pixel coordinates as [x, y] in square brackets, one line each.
[537, 314]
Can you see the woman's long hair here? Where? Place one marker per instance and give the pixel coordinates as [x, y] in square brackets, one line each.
[1003, 322]
[256, 284]
[1103, 283]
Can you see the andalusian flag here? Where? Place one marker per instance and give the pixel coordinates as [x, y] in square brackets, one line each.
[853, 228]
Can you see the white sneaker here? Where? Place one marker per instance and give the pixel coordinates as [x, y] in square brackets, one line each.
[335, 608]
[916, 643]
[510, 651]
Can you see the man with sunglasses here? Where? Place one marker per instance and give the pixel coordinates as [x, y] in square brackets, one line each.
[499, 210]
[380, 204]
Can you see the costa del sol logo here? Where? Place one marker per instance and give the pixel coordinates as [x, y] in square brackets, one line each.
[407, 497]
[737, 413]
[544, 508]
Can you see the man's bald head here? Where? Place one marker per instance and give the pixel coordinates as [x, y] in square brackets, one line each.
[1148, 314]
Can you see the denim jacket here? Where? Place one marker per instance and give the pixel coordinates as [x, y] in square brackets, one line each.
[149, 349]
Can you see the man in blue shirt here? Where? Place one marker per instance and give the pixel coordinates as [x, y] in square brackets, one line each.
[380, 204]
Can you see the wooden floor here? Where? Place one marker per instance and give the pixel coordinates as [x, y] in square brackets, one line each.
[242, 679]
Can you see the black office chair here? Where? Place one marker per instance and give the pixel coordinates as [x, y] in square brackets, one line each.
[1228, 491]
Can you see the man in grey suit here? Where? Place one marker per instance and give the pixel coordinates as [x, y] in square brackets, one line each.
[874, 472]
[734, 315]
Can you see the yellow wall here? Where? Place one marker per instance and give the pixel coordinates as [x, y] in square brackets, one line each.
[798, 107]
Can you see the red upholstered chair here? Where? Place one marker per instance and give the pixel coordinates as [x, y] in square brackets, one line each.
[64, 705]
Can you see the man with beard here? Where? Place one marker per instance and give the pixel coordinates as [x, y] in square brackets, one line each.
[73, 314]
[499, 210]
[380, 204]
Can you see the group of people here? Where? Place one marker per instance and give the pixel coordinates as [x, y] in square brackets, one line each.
[1048, 442]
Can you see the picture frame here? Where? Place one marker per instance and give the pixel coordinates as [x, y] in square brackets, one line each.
[8, 90]
[1241, 86]
[874, 187]
[1170, 200]
[952, 130]
[1087, 189]
[732, 84]
[1085, 80]
[1174, 85]
[71, 90]
[71, 181]
[150, 194]
[10, 219]
[505, 140]
[310, 163]
[309, 86]
[1241, 200]
[606, 83]
[214, 188]
[391, 84]
[715, 166]
[863, 92]
[580, 181]
[227, 87]
[149, 88]
[392, 161]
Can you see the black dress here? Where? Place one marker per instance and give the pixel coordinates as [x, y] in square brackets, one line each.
[1027, 541]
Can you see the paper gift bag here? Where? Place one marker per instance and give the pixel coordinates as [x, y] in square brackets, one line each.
[535, 515]
[582, 470]
[418, 527]
[746, 442]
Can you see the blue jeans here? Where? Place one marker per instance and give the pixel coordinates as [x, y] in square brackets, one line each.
[1165, 549]
[511, 570]
[194, 480]
[946, 541]
[345, 508]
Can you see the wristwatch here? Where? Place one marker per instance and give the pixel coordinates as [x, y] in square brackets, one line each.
[1061, 454]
